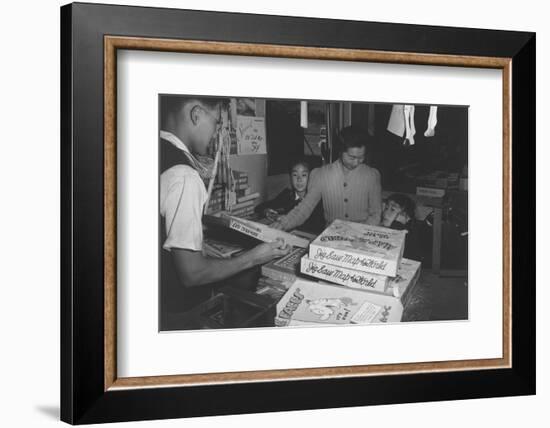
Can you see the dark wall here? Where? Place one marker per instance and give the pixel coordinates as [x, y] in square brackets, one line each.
[447, 150]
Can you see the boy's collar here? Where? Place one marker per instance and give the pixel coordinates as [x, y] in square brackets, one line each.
[168, 136]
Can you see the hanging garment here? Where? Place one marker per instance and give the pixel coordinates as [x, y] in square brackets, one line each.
[396, 124]
[432, 122]
[401, 122]
[409, 125]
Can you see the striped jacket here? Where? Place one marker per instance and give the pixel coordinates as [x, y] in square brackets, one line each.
[354, 196]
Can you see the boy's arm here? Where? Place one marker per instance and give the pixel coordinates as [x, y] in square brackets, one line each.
[195, 269]
[182, 211]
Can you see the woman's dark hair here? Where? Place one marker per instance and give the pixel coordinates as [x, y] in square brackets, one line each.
[299, 162]
[406, 203]
[352, 137]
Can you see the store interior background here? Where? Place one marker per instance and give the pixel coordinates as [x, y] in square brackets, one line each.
[401, 165]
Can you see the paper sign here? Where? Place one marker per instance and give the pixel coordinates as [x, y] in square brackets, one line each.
[251, 135]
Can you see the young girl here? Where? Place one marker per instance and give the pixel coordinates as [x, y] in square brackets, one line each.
[292, 196]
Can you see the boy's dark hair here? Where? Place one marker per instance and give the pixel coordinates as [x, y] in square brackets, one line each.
[352, 137]
[406, 203]
[173, 103]
[299, 162]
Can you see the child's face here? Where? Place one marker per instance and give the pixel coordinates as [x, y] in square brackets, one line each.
[299, 177]
[392, 212]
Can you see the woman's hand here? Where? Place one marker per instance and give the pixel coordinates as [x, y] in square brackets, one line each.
[278, 224]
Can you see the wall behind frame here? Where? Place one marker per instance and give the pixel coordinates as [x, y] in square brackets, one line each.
[39, 406]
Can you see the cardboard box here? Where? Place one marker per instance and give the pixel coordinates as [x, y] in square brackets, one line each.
[314, 303]
[360, 246]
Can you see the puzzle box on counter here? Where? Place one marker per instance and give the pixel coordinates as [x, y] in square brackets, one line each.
[360, 246]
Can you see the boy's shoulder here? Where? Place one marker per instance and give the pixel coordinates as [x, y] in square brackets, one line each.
[180, 171]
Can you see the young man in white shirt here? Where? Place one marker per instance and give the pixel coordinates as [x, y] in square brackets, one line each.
[188, 126]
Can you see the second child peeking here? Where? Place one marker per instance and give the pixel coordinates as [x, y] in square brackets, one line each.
[292, 196]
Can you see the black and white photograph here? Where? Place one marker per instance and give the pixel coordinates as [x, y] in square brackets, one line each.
[291, 212]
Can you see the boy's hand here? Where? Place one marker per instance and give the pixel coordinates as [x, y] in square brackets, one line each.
[268, 251]
[271, 214]
[388, 217]
[402, 218]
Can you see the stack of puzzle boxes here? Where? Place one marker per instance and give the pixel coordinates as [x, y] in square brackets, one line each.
[363, 257]
[245, 200]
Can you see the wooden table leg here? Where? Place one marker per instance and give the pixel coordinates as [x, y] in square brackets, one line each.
[436, 240]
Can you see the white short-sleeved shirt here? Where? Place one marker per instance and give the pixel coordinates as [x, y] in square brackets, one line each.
[182, 199]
